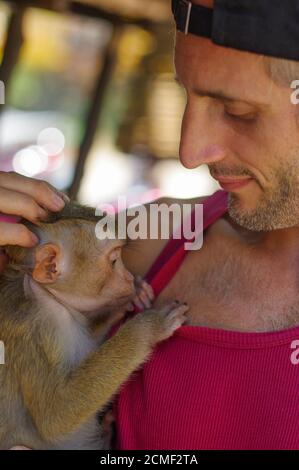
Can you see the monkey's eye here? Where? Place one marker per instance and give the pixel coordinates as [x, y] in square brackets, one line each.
[114, 256]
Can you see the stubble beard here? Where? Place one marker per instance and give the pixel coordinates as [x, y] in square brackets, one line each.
[278, 206]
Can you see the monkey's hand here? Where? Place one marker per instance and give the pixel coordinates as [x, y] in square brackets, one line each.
[144, 295]
[162, 323]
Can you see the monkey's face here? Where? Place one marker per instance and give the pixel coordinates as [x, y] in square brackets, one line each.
[86, 273]
[113, 284]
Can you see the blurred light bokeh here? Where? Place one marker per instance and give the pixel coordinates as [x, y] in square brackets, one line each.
[135, 148]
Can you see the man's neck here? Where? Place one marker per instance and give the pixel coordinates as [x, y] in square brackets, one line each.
[280, 245]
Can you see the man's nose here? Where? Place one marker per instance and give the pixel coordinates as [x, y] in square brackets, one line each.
[200, 140]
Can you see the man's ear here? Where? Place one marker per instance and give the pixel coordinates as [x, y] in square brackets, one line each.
[47, 263]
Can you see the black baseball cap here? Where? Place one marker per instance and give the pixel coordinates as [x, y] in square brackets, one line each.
[268, 27]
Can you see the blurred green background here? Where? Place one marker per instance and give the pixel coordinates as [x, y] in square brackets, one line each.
[90, 100]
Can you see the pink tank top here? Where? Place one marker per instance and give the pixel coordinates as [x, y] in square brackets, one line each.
[208, 388]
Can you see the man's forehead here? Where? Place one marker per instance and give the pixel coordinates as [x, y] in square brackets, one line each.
[202, 55]
[201, 64]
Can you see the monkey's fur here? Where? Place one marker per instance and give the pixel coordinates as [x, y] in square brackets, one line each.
[60, 369]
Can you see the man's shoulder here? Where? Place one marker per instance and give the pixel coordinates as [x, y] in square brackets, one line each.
[170, 200]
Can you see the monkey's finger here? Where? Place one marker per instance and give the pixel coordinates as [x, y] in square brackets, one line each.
[148, 289]
[130, 307]
[41, 191]
[138, 281]
[180, 310]
[169, 307]
[16, 234]
[138, 303]
[143, 286]
[142, 295]
[16, 203]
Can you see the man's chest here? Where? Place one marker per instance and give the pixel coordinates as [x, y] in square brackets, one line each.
[227, 286]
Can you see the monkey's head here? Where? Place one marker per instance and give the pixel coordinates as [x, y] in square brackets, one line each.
[73, 264]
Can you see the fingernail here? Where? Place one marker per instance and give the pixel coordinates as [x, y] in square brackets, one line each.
[139, 304]
[152, 294]
[42, 213]
[34, 239]
[57, 201]
[64, 196]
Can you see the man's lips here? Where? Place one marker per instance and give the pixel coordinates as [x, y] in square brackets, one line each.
[233, 182]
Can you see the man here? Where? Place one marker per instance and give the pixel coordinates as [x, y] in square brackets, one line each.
[242, 286]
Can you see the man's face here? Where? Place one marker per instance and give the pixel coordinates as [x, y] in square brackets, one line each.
[241, 124]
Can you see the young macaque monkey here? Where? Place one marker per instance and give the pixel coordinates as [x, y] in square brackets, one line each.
[58, 302]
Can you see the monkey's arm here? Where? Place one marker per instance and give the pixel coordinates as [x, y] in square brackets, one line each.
[58, 403]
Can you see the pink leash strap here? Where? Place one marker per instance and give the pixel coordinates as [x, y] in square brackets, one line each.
[171, 257]
[10, 219]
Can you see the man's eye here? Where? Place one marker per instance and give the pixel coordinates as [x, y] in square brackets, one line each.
[113, 262]
[246, 117]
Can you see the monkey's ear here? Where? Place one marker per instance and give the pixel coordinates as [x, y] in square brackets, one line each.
[47, 263]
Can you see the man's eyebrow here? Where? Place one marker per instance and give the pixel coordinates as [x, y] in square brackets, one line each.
[219, 95]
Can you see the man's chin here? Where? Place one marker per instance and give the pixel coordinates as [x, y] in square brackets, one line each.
[247, 201]
[246, 218]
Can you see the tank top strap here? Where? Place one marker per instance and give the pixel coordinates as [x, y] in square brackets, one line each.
[173, 254]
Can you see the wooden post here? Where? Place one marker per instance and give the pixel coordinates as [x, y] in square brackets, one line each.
[94, 112]
[13, 45]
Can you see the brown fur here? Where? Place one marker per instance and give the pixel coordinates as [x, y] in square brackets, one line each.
[58, 372]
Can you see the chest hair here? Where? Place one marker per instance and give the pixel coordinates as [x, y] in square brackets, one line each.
[227, 285]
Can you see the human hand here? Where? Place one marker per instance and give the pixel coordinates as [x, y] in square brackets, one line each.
[28, 198]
